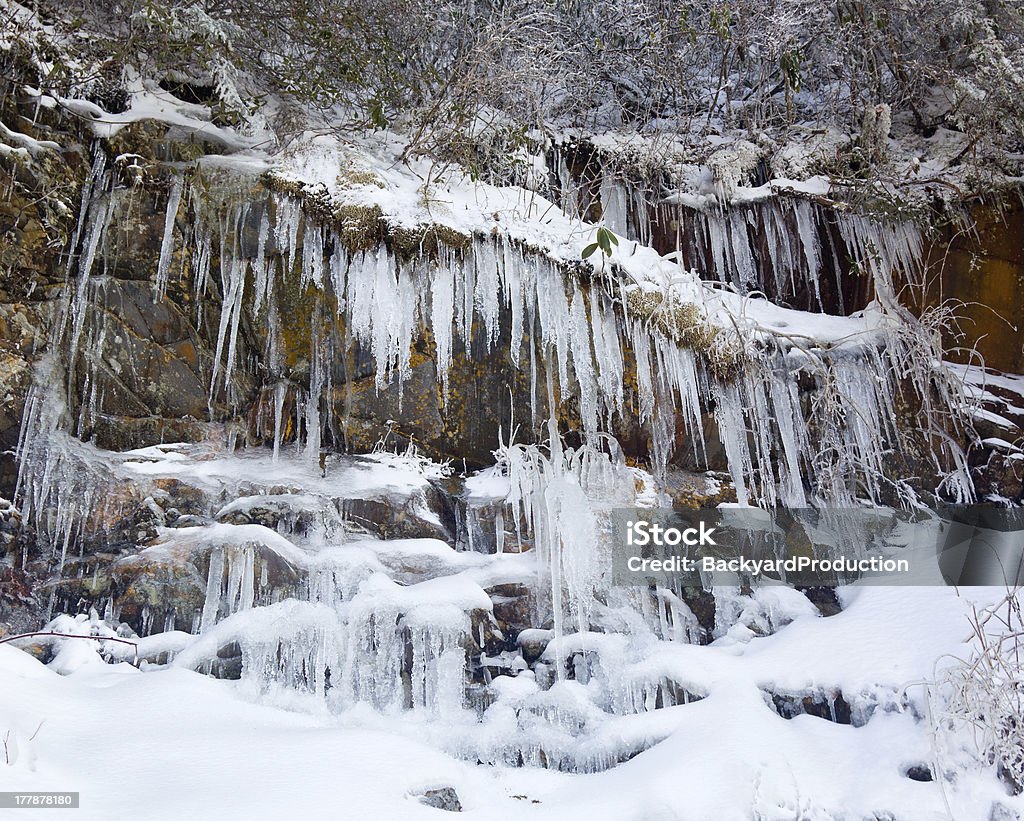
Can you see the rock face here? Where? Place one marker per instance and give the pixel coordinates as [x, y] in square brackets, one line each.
[168, 335]
[113, 290]
[983, 271]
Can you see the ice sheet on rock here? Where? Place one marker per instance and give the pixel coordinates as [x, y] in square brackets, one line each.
[223, 535]
[251, 472]
[408, 559]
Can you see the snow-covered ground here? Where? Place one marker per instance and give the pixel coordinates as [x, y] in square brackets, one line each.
[168, 743]
[365, 677]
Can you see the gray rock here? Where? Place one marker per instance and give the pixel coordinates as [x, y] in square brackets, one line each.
[442, 798]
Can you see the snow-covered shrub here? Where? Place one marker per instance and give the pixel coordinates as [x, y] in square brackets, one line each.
[475, 82]
[980, 699]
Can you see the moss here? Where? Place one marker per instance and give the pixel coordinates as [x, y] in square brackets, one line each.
[283, 185]
[685, 323]
[426, 241]
[359, 227]
[315, 199]
[355, 177]
[681, 321]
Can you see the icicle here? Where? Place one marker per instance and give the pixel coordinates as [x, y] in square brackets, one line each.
[442, 317]
[809, 244]
[318, 371]
[167, 244]
[233, 275]
[579, 331]
[280, 391]
[793, 438]
[487, 289]
[613, 205]
[733, 433]
[214, 580]
[608, 358]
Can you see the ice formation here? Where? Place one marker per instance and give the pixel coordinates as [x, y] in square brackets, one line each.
[312, 605]
[781, 238]
[377, 303]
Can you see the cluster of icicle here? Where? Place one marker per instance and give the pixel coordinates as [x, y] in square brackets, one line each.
[781, 245]
[61, 488]
[576, 336]
[351, 636]
[572, 340]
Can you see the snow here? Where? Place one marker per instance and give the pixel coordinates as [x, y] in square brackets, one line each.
[193, 735]
[727, 755]
[374, 643]
[23, 142]
[149, 102]
[487, 485]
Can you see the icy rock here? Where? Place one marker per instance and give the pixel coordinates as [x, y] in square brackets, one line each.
[479, 300]
[156, 590]
[514, 607]
[823, 598]
[533, 642]
[831, 705]
[487, 527]
[234, 566]
[486, 635]
[180, 496]
[413, 560]
[228, 663]
[291, 512]
[393, 519]
[42, 651]
[376, 499]
[442, 798]
[689, 490]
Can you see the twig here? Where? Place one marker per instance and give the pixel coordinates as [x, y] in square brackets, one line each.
[66, 636]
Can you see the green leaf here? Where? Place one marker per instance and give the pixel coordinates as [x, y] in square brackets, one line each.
[606, 239]
[376, 113]
[589, 250]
